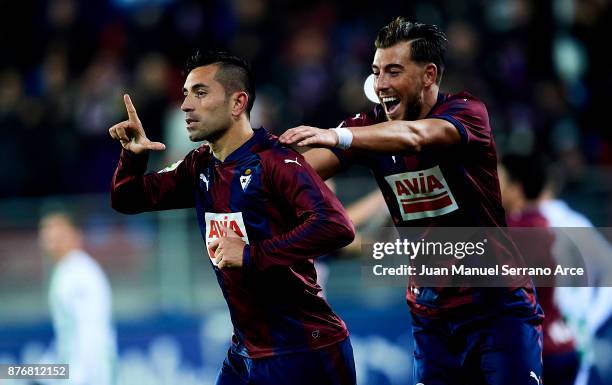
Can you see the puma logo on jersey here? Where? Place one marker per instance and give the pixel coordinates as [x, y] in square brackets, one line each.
[217, 225]
[422, 194]
[535, 377]
[205, 180]
[292, 161]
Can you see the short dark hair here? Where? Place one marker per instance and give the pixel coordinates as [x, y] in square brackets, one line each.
[529, 171]
[428, 42]
[234, 72]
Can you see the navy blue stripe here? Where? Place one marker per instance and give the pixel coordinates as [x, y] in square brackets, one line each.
[458, 125]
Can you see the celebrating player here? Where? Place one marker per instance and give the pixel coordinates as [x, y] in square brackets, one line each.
[434, 159]
[264, 214]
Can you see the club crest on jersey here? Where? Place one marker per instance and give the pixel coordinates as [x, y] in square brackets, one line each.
[422, 194]
[217, 225]
[246, 179]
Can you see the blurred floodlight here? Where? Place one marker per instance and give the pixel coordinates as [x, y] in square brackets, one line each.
[368, 88]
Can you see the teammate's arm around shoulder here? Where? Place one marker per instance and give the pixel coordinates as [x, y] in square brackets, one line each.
[405, 136]
[391, 136]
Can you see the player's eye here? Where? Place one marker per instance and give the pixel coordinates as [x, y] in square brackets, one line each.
[200, 94]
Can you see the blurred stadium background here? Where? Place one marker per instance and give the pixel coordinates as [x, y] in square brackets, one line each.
[540, 66]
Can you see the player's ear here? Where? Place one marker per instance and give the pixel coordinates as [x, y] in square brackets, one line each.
[240, 100]
[430, 73]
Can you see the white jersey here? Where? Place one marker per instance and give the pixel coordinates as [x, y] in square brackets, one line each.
[80, 300]
[586, 308]
[596, 299]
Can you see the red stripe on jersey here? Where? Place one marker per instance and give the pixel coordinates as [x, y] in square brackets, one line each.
[428, 205]
[427, 198]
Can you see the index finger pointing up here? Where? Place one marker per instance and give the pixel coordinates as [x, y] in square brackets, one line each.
[131, 110]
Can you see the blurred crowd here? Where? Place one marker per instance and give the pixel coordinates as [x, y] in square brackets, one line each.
[540, 66]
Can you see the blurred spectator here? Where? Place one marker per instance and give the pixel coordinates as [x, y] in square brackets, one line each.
[539, 67]
[80, 300]
[151, 91]
[587, 309]
[14, 164]
[522, 180]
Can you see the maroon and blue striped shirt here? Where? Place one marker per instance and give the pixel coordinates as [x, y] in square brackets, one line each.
[442, 187]
[279, 206]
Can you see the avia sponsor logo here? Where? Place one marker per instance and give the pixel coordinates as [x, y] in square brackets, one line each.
[217, 225]
[422, 194]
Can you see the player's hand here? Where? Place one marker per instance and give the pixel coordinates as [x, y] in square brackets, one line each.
[309, 136]
[227, 250]
[131, 134]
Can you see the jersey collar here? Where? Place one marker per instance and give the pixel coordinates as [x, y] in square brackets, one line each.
[245, 148]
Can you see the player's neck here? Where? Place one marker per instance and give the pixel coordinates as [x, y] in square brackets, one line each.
[63, 252]
[530, 205]
[515, 207]
[430, 98]
[234, 137]
[546, 196]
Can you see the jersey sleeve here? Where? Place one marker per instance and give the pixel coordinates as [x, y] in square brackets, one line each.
[351, 156]
[470, 117]
[134, 192]
[346, 157]
[322, 225]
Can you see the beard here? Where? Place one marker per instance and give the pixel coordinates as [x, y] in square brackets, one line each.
[207, 135]
[413, 107]
[210, 129]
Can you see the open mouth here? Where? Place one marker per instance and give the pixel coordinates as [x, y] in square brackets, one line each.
[391, 104]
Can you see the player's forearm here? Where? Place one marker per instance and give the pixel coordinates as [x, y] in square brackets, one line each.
[127, 190]
[404, 136]
[135, 192]
[392, 136]
[318, 235]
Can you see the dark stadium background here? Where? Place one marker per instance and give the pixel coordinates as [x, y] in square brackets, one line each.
[542, 68]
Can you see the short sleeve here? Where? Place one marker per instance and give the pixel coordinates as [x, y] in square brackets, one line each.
[470, 117]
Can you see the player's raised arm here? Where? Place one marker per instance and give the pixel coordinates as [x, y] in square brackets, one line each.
[132, 191]
[392, 136]
[131, 134]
